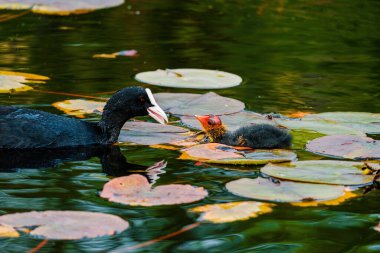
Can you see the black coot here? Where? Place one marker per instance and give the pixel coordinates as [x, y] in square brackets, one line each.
[30, 129]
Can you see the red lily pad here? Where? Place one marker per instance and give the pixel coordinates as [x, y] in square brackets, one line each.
[135, 190]
[223, 154]
[192, 104]
[284, 191]
[346, 146]
[146, 133]
[231, 121]
[377, 228]
[59, 7]
[190, 78]
[66, 225]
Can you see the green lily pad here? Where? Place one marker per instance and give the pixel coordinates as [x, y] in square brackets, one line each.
[345, 146]
[190, 78]
[223, 154]
[59, 7]
[283, 191]
[135, 190]
[231, 121]
[324, 127]
[201, 104]
[66, 225]
[362, 121]
[146, 133]
[322, 172]
[172, 100]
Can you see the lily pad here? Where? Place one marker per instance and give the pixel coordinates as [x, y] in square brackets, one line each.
[135, 190]
[80, 107]
[377, 228]
[362, 121]
[208, 103]
[16, 81]
[346, 146]
[66, 225]
[146, 133]
[172, 100]
[223, 154]
[283, 191]
[8, 231]
[59, 7]
[190, 78]
[324, 127]
[234, 211]
[231, 121]
[323, 172]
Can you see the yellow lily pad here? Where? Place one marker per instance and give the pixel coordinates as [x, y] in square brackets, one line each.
[8, 231]
[322, 172]
[223, 154]
[80, 107]
[234, 211]
[16, 81]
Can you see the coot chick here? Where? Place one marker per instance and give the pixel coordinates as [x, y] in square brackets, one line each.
[22, 128]
[255, 136]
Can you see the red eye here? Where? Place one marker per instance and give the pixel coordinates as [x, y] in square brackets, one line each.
[142, 100]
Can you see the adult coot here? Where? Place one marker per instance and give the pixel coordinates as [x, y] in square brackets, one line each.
[256, 136]
[30, 129]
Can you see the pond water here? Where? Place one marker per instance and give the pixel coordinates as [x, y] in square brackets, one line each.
[315, 56]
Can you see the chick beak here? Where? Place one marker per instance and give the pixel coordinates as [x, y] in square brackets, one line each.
[203, 120]
[155, 111]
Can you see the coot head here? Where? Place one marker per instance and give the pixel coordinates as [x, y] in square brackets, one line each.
[125, 104]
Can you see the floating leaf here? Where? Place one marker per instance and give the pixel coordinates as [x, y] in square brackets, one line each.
[231, 121]
[200, 105]
[234, 211]
[223, 154]
[377, 228]
[345, 146]
[66, 225]
[172, 100]
[16, 81]
[8, 231]
[146, 133]
[79, 107]
[130, 53]
[323, 172]
[59, 7]
[284, 191]
[190, 78]
[135, 190]
[334, 202]
[362, 121]
[324, 127]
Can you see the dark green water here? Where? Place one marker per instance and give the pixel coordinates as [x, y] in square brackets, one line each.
[316, 55]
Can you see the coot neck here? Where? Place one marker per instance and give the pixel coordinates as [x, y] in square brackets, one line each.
[216, 134]
[111, 124]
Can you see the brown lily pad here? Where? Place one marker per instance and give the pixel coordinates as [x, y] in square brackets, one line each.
[233, 211]
[223, 154]
[8, 231]
[284, 191]
[135, 190]
[346, 146]
[59, 7]
[231, 121]
[66, 225]
[322, 172]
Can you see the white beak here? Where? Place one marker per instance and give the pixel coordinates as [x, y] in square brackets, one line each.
[155, 111]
